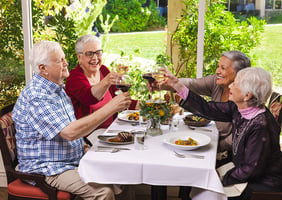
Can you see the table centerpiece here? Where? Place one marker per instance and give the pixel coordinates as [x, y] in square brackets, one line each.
[156, 112]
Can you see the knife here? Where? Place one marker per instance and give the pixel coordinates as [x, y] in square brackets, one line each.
[119, 148]
[113, 131]
[202, 129]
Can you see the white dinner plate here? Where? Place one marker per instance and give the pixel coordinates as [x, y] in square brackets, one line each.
[123, 116]
[200, 138]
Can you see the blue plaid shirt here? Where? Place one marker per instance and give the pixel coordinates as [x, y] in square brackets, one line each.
[41, 112]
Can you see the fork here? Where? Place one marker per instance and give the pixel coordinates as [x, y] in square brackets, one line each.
[180, 155]
[114, 150]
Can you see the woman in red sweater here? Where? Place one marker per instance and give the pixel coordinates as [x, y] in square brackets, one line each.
[91, 85]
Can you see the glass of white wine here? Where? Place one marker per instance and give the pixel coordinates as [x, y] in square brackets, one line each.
[158, 75]
[121, 65]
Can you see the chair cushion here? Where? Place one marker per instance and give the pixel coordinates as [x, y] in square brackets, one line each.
[20, 189]
[8, 128]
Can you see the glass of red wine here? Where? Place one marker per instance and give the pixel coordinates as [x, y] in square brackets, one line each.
[124, 84]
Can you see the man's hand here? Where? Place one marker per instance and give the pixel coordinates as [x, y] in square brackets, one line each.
[121, 102]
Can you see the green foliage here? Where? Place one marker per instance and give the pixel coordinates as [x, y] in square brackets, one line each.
[155, 20]
[132, 16]
[77, 21]
[222, 33]
[65, 35]
[138, 90]
[11, 40]
[50, 7]
[11, 81]
[276, 19]
[12, 74]
[106, 26]
[84, 13]
[163, 59]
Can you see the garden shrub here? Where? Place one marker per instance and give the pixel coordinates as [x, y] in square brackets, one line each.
[11, 81]
[132, 16]
[274, 17]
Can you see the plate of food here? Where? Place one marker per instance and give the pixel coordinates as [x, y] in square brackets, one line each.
[194, 120]
[184, 140]
[129, 116]
[123, 137]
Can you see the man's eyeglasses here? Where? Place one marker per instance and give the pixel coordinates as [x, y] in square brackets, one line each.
[90, 54]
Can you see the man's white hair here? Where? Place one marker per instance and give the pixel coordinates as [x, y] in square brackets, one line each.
[40, 53]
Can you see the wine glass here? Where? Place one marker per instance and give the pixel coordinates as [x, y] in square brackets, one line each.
[148, 74]
[158, 75]
[121, 65]
[124, 83]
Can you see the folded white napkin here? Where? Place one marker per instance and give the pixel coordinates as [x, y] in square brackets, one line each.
[230, 190]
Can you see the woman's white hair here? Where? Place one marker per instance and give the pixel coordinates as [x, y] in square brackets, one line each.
[40, 53]
[256, 81]
[80, 42]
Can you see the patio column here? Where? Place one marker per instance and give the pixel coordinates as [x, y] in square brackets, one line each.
[27, 34]
[260, 5]
[174, 12]
[201, 33]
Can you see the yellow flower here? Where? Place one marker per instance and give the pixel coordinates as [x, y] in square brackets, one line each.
[161, 113]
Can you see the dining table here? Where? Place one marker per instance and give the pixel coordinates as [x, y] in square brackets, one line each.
[156, 164]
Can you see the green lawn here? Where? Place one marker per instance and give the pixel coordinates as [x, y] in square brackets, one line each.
[267, 55]
[150, 44]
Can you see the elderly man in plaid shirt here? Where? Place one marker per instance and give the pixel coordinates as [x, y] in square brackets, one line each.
[49, 138]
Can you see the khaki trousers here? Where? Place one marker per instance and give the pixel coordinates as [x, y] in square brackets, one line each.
[70, 181]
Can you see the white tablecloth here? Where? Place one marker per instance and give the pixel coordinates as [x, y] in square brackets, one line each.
[156, 165]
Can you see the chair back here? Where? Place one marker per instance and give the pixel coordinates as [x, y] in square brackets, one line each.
[7, 139]
[275, 106]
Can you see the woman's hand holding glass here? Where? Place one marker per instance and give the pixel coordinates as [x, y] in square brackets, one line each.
[158, 74]
[155, 77]
[111, 78]
[171, 81]
[123, 83]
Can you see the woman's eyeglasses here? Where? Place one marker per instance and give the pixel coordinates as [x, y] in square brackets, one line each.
[90, 54]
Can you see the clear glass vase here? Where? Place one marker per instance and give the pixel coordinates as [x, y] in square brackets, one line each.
[154, 127]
